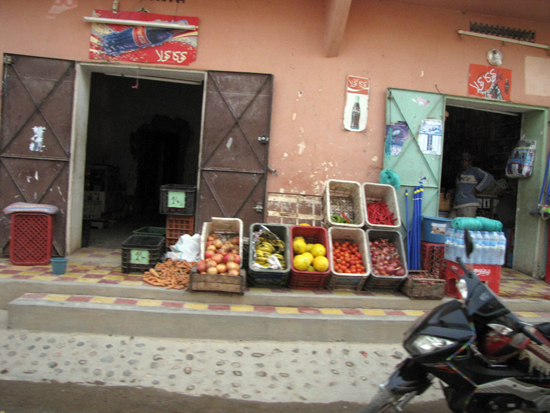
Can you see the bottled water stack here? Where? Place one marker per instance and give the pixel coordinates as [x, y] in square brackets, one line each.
[489, 247]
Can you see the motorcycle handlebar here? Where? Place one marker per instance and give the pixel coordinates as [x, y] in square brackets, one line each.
[527, 331]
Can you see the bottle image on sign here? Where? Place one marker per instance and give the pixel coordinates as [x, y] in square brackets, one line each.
[135, 38]
[355, 114]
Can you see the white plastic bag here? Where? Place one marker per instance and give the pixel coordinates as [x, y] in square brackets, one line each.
[187, 248]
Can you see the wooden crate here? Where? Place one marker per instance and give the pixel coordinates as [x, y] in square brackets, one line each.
[217, 282]
[423, 286]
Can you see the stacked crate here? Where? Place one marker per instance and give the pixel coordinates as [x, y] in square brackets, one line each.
[432, 258]
[177, 202]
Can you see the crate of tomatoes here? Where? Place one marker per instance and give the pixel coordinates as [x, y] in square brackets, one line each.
[349, 259]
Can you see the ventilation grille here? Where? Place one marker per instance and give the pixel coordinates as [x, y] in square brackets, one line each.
[509, 33]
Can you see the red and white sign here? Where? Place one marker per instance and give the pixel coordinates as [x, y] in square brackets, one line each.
[144, 44]
[490, 82]
[357, 103]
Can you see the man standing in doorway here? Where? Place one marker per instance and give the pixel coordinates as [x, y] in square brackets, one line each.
[469, 183]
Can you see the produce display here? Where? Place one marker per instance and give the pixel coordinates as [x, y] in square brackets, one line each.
[266, 248]
[171, 274]
[379, 213]
[346, 257]
[220, 256]
[343, 219]
[308, 256]
[385, 258]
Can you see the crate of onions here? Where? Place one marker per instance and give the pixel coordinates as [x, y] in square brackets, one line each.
[387, 259]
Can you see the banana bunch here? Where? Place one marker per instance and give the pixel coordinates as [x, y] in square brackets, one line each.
[265, 248]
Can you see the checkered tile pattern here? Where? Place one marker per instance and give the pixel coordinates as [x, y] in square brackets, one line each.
[103, 266]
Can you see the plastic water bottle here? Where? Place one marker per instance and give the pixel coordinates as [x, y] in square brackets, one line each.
[476, 256]
[493, 245]
[500, 256]
[489, 242]
[448, 243]
[460, 250]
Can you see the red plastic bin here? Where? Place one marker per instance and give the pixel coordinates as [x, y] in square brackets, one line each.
[31, 238]
[432, 257]
[308, 280]
[486, 273]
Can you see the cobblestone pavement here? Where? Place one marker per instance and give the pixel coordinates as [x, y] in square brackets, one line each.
[257, 371]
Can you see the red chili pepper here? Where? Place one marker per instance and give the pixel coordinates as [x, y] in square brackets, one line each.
[345, 217]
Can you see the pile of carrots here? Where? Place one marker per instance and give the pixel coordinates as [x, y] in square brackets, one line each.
[170, 274]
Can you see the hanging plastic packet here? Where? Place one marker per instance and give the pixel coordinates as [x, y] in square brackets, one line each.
[521, 160]
[266, 252]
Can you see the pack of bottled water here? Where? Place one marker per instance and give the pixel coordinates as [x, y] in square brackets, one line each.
[489, 246]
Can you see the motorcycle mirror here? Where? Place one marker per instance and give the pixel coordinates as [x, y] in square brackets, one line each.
[468, 242]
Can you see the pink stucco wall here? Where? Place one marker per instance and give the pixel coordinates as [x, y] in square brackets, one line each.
[394, 44]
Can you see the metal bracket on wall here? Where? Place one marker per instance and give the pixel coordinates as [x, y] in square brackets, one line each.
[259, 207]
[263, 139]
[8, 60]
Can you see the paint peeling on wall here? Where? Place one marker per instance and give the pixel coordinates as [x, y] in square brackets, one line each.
[37, 140]
[301, 147]
[421, 102]
[229, 143]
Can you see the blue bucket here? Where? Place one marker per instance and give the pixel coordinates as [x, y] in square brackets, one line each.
[59, 265]
[433, 229]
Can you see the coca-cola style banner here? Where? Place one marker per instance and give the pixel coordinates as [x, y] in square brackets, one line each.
[490, 82]
[142, 44]
[357, 103]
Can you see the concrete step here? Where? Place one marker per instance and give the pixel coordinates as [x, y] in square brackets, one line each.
[10, 289]
[65, 313]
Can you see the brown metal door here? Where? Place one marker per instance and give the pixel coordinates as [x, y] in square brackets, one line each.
[235, 146]
[35, 137]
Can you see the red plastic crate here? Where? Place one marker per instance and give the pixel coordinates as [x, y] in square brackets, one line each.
[432, 257]
[31, 238]
[308, 280]
[486, 273]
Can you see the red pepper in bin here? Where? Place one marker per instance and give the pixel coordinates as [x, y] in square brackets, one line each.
[379, 213]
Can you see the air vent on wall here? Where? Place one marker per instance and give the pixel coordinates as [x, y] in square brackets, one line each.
[500, 31]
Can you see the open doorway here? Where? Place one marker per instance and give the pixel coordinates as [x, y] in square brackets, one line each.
[489, 137]
[141, 134]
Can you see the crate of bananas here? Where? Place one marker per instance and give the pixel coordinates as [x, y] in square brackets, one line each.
[269, 255]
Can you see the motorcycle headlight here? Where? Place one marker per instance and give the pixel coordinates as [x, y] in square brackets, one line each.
[427, 344]
[462, 288]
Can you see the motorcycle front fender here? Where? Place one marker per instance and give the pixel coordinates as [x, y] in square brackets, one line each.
[409, 377]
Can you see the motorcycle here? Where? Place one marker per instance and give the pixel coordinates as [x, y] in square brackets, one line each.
[487, 359]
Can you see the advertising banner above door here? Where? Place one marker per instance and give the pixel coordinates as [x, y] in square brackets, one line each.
[144, 44]
[489, 82]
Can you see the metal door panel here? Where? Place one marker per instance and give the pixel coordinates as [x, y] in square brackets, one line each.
[235, 145]
[35, 137]
[411, 164]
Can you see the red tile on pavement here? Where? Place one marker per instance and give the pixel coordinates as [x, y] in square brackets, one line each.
[262, 309]
[80, 298]
[126, 301]
[172, 304]
[352, 311]
[304, 310]
[219, 307]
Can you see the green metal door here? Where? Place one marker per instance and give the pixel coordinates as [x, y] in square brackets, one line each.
[411, 154]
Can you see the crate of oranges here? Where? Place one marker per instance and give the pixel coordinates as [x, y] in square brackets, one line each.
[349, 259]
[310, 264]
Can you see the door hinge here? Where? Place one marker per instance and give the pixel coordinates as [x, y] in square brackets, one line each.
[263, 139]
[259, 207]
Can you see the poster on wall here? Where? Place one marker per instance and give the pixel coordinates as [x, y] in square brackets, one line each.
[430, 136]
[357, 103]
[144, 44]
[396, 135]
[490, 82]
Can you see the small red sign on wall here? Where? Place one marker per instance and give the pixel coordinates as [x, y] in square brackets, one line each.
[143, 44]
[490, 82]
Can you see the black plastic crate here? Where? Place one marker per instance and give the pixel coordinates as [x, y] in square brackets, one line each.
[177, 199]
[140, 253]
[263, 277]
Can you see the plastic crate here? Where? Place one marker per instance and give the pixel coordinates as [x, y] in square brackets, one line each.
[140, 253]
[386, 282]
[308, 280]
[432, 258]
[422, 285]
[343, 197]
[434, 228]
[31, 238]
[151, 231]
[348, 281]
[264, 277]
[177, 199]
[178, 225]
[381, 192]
[489, 274]
[226, 228]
